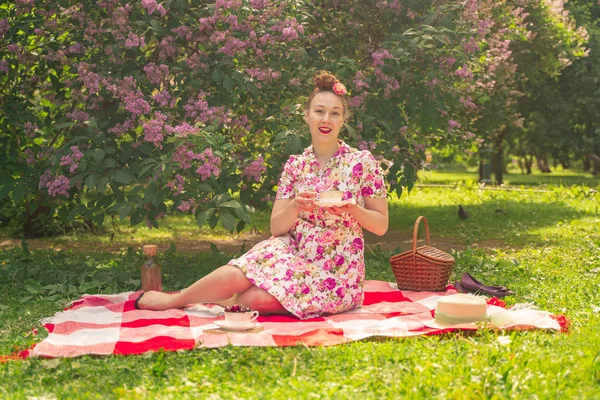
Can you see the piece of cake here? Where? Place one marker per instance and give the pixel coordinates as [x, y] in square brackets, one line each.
[331, 196]
[460, 309]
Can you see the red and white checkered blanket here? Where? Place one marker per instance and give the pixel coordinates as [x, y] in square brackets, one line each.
[109, 324]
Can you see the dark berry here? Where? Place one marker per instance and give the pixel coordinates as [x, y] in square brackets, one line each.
[236, 308]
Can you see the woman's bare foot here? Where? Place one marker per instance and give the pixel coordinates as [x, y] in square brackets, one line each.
[156, 301]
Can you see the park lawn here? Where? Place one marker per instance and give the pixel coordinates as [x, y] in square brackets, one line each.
[551, 258]
[513, 178]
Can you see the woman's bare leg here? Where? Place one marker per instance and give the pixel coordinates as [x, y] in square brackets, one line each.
[260, 300]
[217, 287]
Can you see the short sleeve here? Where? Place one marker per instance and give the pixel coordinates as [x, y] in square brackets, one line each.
[373, 184]
[285, 188]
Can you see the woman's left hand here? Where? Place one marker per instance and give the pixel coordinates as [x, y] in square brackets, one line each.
[347, 208]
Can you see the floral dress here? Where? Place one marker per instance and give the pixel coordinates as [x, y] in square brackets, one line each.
[318, 266]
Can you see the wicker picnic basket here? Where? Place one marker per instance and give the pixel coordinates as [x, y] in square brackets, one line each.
[424, 268]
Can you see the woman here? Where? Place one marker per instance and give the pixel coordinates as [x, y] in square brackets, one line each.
[314, 262]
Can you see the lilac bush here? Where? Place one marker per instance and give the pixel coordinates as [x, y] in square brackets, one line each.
[140, 109]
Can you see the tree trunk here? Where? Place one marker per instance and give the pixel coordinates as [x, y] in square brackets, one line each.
[498, 160]
[565, 162]
[595, 158]
[542, 164]
[587, 164]
[528, 164]
[34, 220]
[522, 165]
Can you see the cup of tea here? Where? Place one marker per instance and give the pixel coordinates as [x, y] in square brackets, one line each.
[240, 315]
[331, 196]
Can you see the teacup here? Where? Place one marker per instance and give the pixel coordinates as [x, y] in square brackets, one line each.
[331, 196]
[241, 318]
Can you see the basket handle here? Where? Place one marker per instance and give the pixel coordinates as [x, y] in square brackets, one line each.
[416, 230]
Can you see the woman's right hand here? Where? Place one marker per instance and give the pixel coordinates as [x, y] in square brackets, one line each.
[305, 201]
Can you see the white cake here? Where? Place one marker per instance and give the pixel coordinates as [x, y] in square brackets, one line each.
[331, 196]
[460, 309]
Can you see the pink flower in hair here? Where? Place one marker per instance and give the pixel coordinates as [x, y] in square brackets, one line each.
[339, 89]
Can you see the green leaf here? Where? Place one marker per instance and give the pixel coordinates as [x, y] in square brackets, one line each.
[123, 176]
[205, 187]
[231, 204]
[18, 192]
[136, 218]
[202, 216]
[216, 75]
[155, 24]
[228, 221]
[33, 286]
[91, 181]
[109, 163]
[6, 189]
[62, 125]
[243, 215]
[98, 154]
[125, 211]
[228, 84]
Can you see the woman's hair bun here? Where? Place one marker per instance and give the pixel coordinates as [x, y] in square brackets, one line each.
[325, 80]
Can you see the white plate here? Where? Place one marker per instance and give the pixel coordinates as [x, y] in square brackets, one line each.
[333, 203]
[228, 326]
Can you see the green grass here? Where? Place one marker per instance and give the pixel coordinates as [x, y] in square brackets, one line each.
[552, 260]
[514, 178]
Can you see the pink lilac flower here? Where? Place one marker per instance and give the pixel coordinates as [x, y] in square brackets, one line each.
[380, 55]
[184, 156]
[468, 102]
[4, 66]
[120, 129]
[156, 73]
[186, 205]
[176, 185]
[45, 179]
[255, 169]
[30, 160]
[149, 5]
[72, 160]
[447, 62]
[30, 129]
[153, 129]
[183, 130]
[210, 166]
[59, 186]
[76, 48]
[134, 40]
[78, 115]
[471, 46]
[464, 72]
[452, 124]
[358, 101]
[4, 27]
[359, 82]
[135, 104]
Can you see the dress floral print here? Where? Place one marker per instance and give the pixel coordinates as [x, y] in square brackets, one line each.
[318, 267]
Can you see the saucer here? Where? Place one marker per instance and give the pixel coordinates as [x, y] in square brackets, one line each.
[228, 326]
[332, 203]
